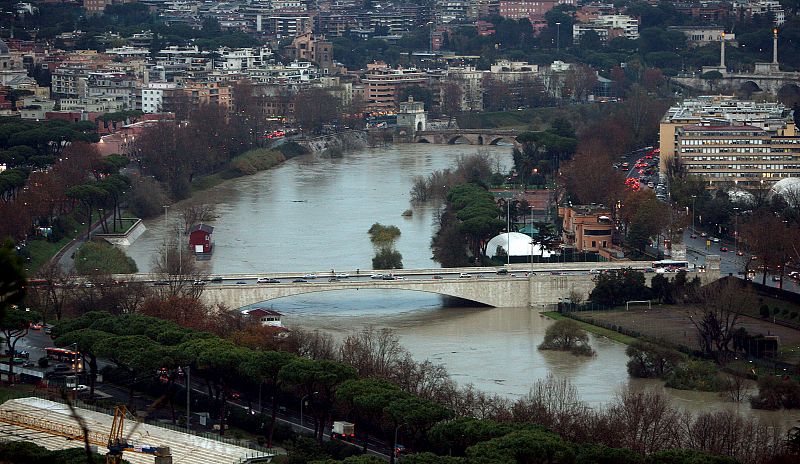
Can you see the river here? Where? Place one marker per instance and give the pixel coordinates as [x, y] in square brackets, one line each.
[312, 214]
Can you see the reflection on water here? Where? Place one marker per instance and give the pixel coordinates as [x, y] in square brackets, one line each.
[313, 214]
[492, 348]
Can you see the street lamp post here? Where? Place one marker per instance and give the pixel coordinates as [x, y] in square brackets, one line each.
[302, 401]
[394, 445]
[558, 36]
[693, 198]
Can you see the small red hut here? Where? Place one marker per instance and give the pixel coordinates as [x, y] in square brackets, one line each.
[200, 238]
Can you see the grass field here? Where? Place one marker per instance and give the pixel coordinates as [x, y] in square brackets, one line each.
[597, 330]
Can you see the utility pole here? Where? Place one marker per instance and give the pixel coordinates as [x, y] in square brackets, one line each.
[188, 393]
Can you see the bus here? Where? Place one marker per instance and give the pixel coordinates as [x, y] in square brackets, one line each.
[670, 265]
[62, 355]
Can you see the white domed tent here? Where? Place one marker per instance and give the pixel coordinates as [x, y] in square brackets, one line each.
[789, 189]
[515, 244]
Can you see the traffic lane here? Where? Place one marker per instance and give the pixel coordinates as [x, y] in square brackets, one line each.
[730, 262]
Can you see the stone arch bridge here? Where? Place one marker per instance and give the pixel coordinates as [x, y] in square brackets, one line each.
[549, 284]
[772, 83]
[469, 136]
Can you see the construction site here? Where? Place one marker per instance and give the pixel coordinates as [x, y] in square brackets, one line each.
[55, 426]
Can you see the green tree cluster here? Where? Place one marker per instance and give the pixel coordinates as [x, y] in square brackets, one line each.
[650, 360]
[476, 215]
[541, 154]
[615, 287]
[567, 335]
[103, 258]
[383, 238]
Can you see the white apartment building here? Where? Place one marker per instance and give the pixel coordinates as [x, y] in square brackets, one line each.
[608, 27]
[749, 8]
[241, 59]
[153, 96]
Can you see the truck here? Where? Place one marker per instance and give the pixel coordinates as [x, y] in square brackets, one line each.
[343, 431]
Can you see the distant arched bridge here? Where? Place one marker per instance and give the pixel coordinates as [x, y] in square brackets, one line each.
[470, 136]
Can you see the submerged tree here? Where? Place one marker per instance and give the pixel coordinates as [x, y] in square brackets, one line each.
[567, 335]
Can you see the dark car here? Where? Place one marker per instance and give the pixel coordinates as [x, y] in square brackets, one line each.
[502, 271]
[216, 279]
[300, 281]
[161, 282]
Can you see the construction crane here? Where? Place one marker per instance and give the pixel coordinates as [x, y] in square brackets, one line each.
[117, 444]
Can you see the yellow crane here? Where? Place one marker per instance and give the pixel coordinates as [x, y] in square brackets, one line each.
[117, 444]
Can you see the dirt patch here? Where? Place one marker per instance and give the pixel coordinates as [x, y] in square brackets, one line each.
[673, 325]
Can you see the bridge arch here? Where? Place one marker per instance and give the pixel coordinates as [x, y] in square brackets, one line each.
[503, 138]
[749, 88]
[422, 140]
[789, 94]
[490, 292]
[459, 139]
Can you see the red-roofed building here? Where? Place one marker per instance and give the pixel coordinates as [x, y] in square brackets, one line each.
[200, 238]
[267, 317]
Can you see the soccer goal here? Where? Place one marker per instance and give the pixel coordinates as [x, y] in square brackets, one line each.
[628, 304]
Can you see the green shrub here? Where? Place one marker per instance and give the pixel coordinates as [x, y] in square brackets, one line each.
[695, 375]
[649, 360]
[764, 311]
[253, 161]
[567, 335]
[103, 258]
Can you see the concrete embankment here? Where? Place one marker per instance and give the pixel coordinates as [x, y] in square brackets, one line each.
[336, 143]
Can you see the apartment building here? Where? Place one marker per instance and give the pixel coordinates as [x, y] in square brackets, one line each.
[308, 47]
[525, 9]
[111, 85]
[470, 81]
[383, 85]
[728, 141]
[608, 27]
[587, 227]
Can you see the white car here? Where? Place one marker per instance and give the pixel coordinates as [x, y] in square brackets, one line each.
[464, 275]
[715, 239]
[342, 275]
[376, 276]
[80, 388]
[310, 276]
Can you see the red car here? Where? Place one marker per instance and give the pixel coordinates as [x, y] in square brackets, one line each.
[723, 249]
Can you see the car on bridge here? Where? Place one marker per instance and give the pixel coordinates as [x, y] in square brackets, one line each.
[464, 275]
[266, 280]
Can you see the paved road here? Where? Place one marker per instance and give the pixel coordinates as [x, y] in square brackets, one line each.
[697, 249]
[66, 258]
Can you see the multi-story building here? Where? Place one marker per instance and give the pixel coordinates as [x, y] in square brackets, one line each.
[287, 23]
[513, 71]
[587, 227]
[750, 8]
[525, 9]
[117, 86]
[479, 9]
[157, 96]
[383, 85]
[707, 11]
[70, 80]
[208, 93]
[608, 27]
[448, 11]
[703, 35]
[308, 47]
[727, 141]
[470, 81]
[241, 59]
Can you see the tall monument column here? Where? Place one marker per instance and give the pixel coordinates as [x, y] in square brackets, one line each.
[722, 53]
[775, 46]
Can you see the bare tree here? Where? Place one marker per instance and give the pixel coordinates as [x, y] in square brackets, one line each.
[56, 290]
[649, 422]
[196, 214]
[451, 96]
[179, 270]
[716, 314]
